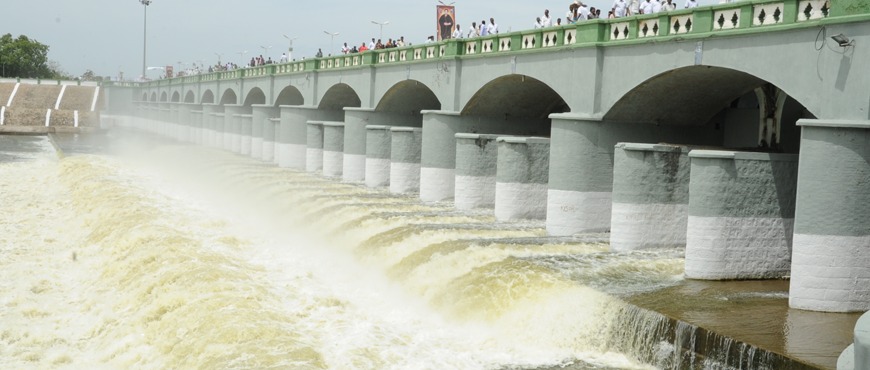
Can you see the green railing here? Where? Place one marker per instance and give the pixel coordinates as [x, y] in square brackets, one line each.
[732, 19]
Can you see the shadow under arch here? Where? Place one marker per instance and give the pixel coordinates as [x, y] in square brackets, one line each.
[207, 97]
[684, 96]
[229, 97]
[154, 97]
[409, 96]
[290, 95]
[516, 96]
[164, 97]
[176, 97]
[189, 97]
[338, 97]
[255, 96]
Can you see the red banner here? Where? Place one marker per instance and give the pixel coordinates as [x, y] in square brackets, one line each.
[446, 21]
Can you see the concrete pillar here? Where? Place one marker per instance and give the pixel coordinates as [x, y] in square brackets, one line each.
[438, 163]
[333, 149]
[221, 134]
[857, 355]
[260, 125]
[741, 215]
[521, 179]
[378, 149]
[356, 121]
[245, 132]
[581, 166]
[163, 117]
[209, 124]
[314, 151]
[196, 122]
[270, 133]
[405, 153]
[293, 134]
[830, 268]
[650, 196]
[476, 169]
[172, 122]
[233, 126]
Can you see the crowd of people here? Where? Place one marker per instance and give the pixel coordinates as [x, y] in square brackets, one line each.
[579, 11]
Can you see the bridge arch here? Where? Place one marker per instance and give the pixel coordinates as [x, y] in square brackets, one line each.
[144, 96]
[176, 97]
[409, 96]
[255, 96]
[229, 97]
[717, 96]
[189, 97]
[154, 96]
[516, 96]
[207, 97]
[164, 97]
[290, 95]
[338, 97]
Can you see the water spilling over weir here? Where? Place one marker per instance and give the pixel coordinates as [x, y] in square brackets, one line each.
[183, 257]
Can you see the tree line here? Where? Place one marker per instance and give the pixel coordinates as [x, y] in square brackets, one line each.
[27, 58]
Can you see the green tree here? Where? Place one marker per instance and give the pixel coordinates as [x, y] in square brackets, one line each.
[23, 57]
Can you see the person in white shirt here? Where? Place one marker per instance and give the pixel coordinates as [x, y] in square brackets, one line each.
[646, 7]
[656, 6]
[372, 44]
[493, 27]
[545, 20]
[691, 4]
[484, 29]
[619, 8]
[283, 58]
[583, 12]
[668, 5]
[345, 49]
[457, 34]
[473, 32]
[538, 23]
[633, 8]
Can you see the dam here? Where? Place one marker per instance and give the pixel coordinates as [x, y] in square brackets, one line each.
[462, 205]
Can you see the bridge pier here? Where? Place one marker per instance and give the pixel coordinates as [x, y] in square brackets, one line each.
[405, 153]
[438, 169]
[209, 124]
[259, 128]
[650, 196]
[271, 132]
[378, 149]
[293, 134]
[356, 121]
[232, 127]
[580, 196]
[741, 215]
[314, 151]
[333, 149]
[197, 121]
[831, 218]
[476, 170]
[245, 133]
[521, 180]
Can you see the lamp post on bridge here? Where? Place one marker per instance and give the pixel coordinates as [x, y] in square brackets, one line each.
[145, 4]
[290, 49]
[265, 52]
[381, 24]
[331, 40]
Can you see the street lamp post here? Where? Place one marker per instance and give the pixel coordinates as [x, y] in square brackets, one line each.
[290, 49]
[381, 24]
[219, 55]
[145, 4]
[242, 56]
[331, 40]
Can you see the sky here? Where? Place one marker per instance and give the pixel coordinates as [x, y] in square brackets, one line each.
[106, 36]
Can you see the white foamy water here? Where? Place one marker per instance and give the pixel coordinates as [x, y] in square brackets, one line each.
[191, 258]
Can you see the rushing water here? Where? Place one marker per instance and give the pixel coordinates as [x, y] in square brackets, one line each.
[178, 257]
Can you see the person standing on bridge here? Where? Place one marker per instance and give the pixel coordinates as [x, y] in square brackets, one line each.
[493, 27]
[458, 33]
[473, 31]
[619, 8]
[691, 4]
[484, 29]
[545, 20]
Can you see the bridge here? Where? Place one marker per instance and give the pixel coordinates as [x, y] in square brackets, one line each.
[738, 131]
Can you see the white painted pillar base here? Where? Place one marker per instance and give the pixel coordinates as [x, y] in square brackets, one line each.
[404, 178]
[257, 147]
[267, 152]
[314, 160]
[377, 172]
[474, 192]
[354, 168]
[293, 156]
[333, 163]
[827, 267]
[723, 248]
[572, 212]
[245, 145]
[641, 226]
[515, 201]
[437, 184]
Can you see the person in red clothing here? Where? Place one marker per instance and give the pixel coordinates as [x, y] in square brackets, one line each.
[363, 47]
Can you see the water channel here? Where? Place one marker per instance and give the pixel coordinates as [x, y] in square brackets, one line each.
[131, 253]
